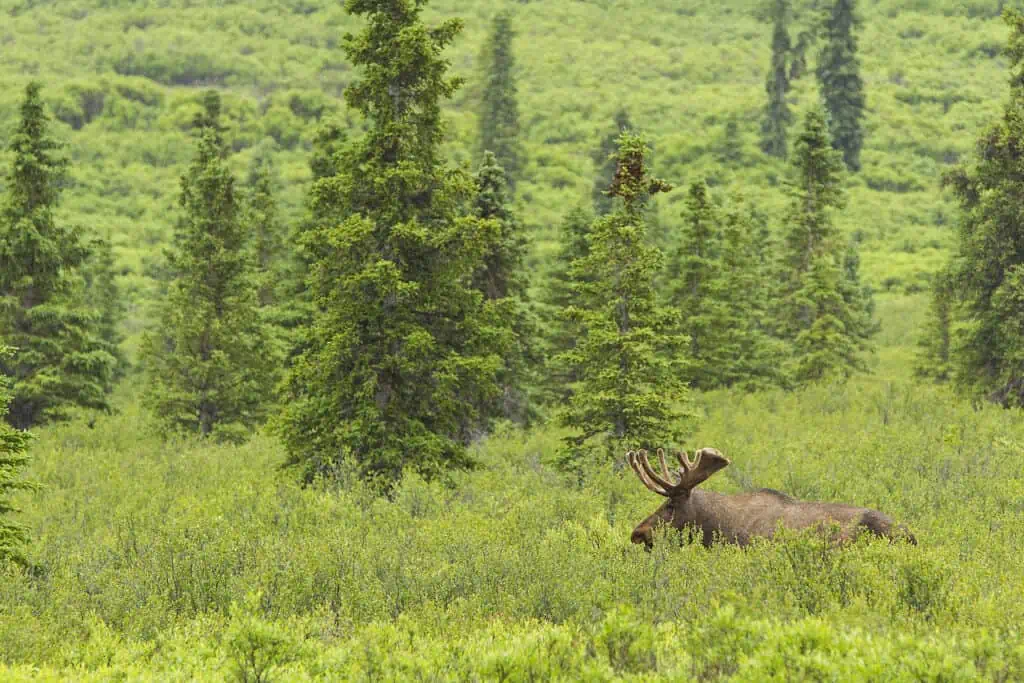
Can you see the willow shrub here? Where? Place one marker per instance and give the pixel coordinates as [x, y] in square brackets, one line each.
[191, 559]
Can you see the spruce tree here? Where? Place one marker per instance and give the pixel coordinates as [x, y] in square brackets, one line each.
[935, 346]
[842, 89]
[268, 239]
[104, 296]
[501, 278]
[295, 317]
[986, 269]
[822, 313]
[499, 115]
[630, 392]
[209, 365]
[560, 292]
[13, 459]
[748, 357]
[403, 352]
[695, 280]
[60, 360]
[604, 164]
[775, 127]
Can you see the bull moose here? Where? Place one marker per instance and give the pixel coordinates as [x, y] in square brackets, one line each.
[741, 517]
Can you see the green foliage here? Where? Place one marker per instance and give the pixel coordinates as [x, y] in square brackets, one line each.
[935, 345]
[499, 115]
[777, 116]
[13, 459]
[561, 332]
[151, 568]
[694, 281]
[60, 360]
[749, 356]
[403, 355]
[268, 237]
[501, 278]
[986, 269]
[842, 88]
[823, 311]
[208, 361]
[628, 353]
[105, 297]
[604, 164]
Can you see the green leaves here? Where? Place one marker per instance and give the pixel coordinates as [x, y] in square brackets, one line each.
[61, 358]
[626, 357]
[209, 363]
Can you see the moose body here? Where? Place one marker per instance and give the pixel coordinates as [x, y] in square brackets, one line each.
[739, 518]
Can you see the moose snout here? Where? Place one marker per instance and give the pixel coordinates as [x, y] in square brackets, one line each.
[642, 535]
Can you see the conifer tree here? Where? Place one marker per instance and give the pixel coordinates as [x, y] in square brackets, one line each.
[604, 164]
[208, 362]
[322, 207]
[822, 313]
[774, 129]
[104, 296]
[748, 356]
[695, 281]
[842, 89]
[561, 292]
[630, 392]
[987, 269]
[267, 232]
[935, 346]
[403, 352]
[13, 459]
[59, 361]
[502, 280]
[499, 116]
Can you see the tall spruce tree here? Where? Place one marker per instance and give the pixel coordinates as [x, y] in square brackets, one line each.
[560, 292]
[60, 360]
[842, 88]
[268, 238]
[295, 317]
[987, 269]
[630, 391]
[104, 296]
[13, 459]
[499, 115]
[935, 346]
[695, 280]
[604, 164]
[748, 356]
[403, 352]
[777, 117]
[823, 314]
[208, 362]
[502, 280]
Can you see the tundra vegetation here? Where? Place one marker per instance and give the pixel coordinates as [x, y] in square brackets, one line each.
[253, 235]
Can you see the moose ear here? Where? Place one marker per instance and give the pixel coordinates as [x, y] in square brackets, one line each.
[706, 462]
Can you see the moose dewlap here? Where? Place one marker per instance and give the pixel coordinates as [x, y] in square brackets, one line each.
[740, 517]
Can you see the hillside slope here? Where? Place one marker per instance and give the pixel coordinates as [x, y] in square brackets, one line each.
[123, 77]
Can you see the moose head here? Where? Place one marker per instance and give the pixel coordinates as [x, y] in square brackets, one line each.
[740, 517]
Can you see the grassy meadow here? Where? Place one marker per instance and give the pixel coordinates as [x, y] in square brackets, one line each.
[182, 560]
[185, 561]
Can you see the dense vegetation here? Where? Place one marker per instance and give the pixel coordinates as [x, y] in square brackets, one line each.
[468, 290]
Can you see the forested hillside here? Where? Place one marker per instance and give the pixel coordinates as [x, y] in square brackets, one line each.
[326, 328]
[124, 78]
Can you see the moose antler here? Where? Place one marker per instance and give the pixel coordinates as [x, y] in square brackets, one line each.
[691, 472]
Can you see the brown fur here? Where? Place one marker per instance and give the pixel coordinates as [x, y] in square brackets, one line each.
[741, 517]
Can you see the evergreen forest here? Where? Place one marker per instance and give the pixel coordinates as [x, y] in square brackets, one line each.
[326, 327]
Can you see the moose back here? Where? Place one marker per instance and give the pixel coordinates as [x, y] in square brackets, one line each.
[741, 517]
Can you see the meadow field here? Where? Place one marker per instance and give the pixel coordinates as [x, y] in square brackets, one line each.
[186, 561]
[183, 559]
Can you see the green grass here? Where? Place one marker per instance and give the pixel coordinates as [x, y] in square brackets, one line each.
[169, 560]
